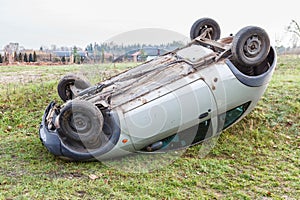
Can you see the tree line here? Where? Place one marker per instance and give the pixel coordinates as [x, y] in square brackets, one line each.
[21, 57]
[119, 49]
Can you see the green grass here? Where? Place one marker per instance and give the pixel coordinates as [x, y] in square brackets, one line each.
[258, 158]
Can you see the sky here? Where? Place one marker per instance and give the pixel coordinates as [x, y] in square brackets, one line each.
[36, 23]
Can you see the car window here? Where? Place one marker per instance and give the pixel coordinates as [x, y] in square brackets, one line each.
[204, 131]
[188, 137]
[231, 116]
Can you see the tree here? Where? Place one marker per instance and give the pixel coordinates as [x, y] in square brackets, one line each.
[294, 27]
[25, 58]
[30, 57]
[76, 56]
[143, 55]
[63, 60]
[16, 57]
[102, 55]
[89, 48]
[20, 57]
[294, 40]
[34, 57]
[6, 56]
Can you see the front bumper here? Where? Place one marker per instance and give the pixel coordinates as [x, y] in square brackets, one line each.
[49, 138]
[54, 144]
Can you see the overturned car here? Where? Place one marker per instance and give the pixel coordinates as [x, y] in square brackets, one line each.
[176, 100]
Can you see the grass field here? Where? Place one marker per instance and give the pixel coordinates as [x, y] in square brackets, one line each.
[258, 158]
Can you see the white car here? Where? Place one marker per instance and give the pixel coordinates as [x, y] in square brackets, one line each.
[177, 100]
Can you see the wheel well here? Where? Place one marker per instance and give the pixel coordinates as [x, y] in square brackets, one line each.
[259, 76]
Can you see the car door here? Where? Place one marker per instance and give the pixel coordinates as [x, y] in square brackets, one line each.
[187, 110]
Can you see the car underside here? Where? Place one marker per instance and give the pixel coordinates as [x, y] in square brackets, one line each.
[176, 100]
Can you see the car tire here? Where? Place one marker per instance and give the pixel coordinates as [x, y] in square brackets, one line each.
[201, 25]
[63, 87]
[250, 46]
[81, 122]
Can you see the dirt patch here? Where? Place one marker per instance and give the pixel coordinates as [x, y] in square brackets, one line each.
[24, 77]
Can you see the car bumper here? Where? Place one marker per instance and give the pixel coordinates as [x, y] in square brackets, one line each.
[53, 143]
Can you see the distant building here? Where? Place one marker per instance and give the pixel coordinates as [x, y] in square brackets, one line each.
[67, 54]
[10, 50]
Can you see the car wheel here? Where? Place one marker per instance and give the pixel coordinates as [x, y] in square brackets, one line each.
[202, 25]
[81, 122]
[64, 86]
[250, 46]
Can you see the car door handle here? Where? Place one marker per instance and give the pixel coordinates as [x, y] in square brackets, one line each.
[203, 115]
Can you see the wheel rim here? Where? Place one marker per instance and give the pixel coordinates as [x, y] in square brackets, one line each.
[80, 123]
[252, 47]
